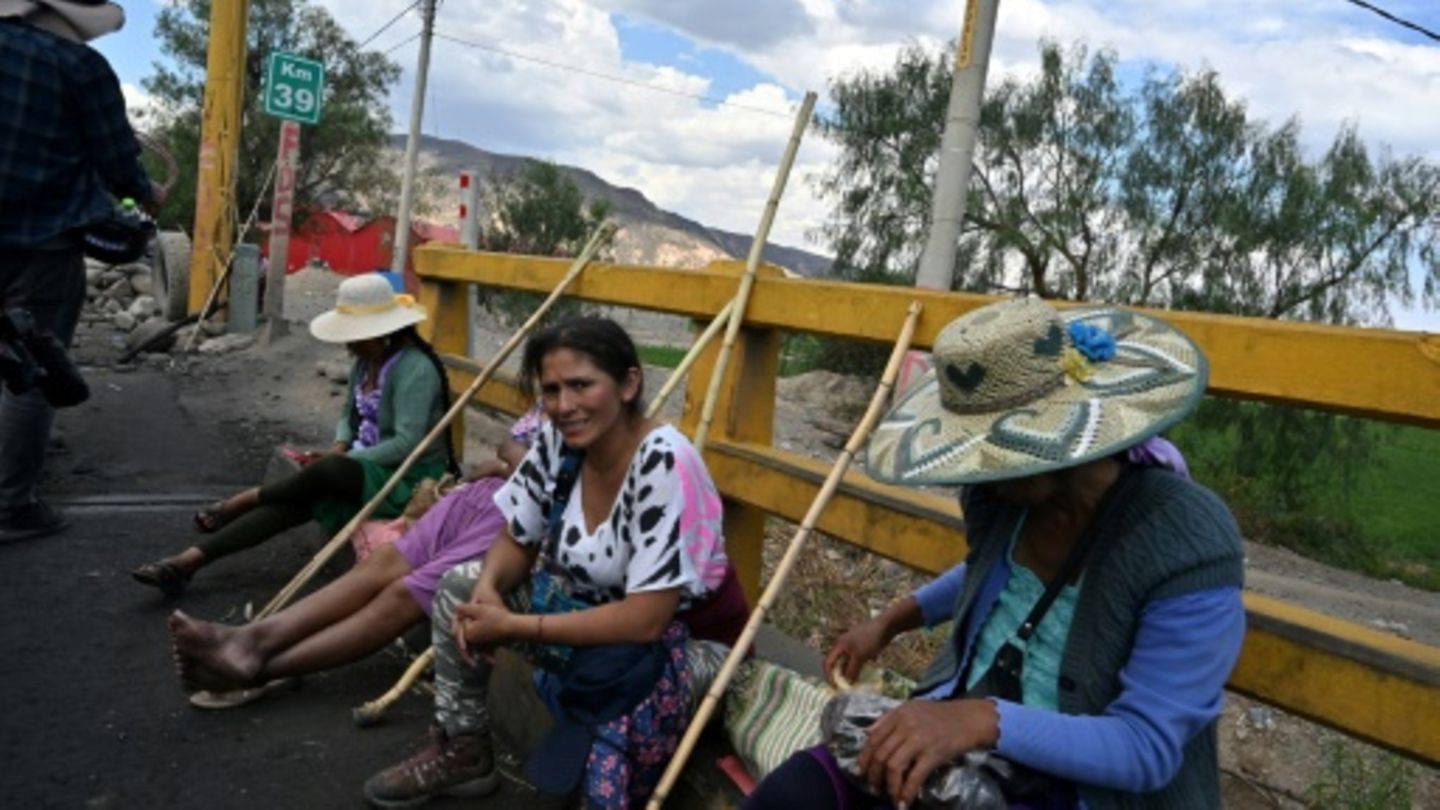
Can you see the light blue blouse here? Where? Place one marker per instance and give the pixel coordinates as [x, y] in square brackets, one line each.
[1039, 680]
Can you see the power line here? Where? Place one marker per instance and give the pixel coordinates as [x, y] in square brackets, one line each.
[1397, 20]
[402, 43]
[485, 46]
[387, 25]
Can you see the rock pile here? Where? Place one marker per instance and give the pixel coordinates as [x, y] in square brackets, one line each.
[124, 297]
[121, 294]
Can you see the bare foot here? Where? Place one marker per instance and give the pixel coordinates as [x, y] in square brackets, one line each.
[213, 656]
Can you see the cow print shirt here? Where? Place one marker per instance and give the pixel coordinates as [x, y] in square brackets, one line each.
[648, 541]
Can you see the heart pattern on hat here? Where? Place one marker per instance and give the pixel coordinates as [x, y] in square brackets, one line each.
[999, 403]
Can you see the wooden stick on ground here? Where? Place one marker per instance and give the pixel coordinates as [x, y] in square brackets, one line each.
[757, 247]
[792, 553]
[722, 318]
[370, 713]
[601, 235]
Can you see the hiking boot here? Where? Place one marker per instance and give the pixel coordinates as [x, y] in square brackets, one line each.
[463, 765]
[35, 519]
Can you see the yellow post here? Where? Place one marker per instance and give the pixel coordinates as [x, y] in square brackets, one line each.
[219, 145]
[745, 412]
[446, 329]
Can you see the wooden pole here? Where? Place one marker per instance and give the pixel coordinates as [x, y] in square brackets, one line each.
[792, 553]
[601, 235]
[747, 281]
[722, 318]
[370, 713]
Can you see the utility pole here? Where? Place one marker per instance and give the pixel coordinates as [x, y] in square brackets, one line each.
[957, 152]
[219, 147]
[412, 143]
[957, 145]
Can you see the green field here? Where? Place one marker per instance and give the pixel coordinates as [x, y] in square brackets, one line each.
[1380, 516]
[662, 356]
[1400, 497]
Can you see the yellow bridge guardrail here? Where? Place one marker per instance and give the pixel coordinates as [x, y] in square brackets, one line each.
[1362, 682]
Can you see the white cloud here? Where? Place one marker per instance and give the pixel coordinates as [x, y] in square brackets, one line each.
[738, 23]
[140, 106]
[1324, 62]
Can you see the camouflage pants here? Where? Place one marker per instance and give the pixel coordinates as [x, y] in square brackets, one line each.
[460, 689]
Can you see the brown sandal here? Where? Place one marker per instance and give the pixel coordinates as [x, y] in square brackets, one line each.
[211, 518]
[170, 578]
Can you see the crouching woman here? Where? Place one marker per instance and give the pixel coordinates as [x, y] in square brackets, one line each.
[612, 537]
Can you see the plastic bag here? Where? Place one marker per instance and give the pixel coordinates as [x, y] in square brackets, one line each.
[969, 784]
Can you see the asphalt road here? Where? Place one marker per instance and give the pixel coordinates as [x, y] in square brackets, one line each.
[91, 713]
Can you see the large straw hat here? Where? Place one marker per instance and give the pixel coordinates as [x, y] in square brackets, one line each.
[1019, 389]
[82, 19]
[366, 307]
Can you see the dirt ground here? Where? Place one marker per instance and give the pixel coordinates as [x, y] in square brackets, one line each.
[92, 715]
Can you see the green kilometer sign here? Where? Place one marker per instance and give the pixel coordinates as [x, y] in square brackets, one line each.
[294, 87]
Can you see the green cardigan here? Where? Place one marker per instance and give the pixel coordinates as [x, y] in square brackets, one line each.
[411, 403]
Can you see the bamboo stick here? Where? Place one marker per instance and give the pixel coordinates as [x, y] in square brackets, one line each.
[722, 318]
[792, 553]
[370, 713]
[601, 235]
[757, 247]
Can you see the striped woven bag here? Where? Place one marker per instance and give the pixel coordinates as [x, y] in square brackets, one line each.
[771, 712]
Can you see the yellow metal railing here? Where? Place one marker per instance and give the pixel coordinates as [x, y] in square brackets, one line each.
[1365, 683]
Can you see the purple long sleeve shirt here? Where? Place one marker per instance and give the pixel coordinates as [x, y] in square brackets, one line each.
[1171, 688]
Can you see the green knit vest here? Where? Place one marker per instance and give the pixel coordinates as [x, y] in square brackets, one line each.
[1162, 536]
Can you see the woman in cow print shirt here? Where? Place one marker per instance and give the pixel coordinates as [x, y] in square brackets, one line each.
[596, 595]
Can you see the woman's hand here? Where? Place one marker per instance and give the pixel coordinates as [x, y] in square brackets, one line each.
[857, 647]
[486, 594]
[482, 626]
[336, 449]
[910, 742]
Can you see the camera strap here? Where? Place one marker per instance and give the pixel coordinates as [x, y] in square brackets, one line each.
[1002, 680]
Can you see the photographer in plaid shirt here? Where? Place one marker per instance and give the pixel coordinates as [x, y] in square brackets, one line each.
[64, 143]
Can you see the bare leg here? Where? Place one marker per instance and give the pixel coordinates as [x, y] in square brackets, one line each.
[241, 502]
[335, 602]
[381, 621]
[215, 656]
[190, 560]
[211, 656]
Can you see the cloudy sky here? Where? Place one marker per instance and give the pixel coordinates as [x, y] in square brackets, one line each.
[697, 96]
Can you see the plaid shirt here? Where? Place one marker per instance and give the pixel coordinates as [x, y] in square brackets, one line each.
[64, 137]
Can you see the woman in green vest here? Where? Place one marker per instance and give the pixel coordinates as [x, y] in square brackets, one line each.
[1097, 614]
[395, 396]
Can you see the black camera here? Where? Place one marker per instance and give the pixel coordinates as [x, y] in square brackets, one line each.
[121, 237]
[35, 358]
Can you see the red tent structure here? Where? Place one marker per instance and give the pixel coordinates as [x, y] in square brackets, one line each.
[350, 244]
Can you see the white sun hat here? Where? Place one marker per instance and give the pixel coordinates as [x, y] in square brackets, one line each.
[82, 20]
[366, 307]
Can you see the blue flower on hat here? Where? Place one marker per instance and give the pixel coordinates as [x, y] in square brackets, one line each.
[1095, 343]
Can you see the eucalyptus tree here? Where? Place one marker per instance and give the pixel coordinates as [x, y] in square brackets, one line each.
[1166, 194]
[1163, 191]
[342, 158]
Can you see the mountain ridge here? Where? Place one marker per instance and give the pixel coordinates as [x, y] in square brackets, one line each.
[653, 235]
